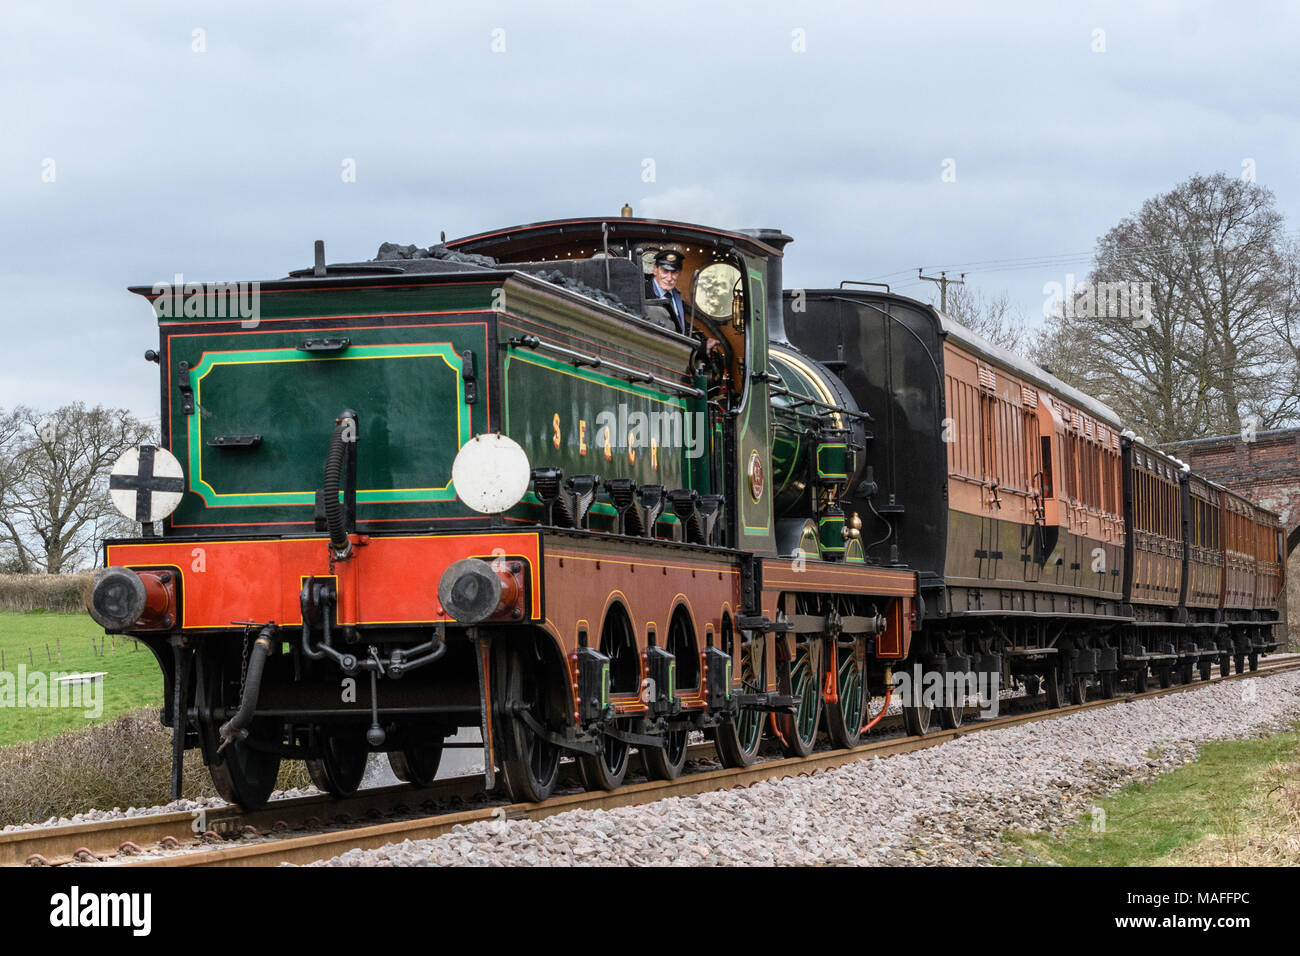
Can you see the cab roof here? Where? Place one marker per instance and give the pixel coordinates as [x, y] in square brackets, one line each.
[541, 240]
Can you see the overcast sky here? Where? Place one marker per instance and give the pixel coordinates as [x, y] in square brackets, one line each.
[211, 140]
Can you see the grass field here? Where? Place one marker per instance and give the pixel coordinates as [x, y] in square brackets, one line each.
[1237, 805]
[132, 678]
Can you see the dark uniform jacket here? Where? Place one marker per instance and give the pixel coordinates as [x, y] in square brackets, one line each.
[678, 306]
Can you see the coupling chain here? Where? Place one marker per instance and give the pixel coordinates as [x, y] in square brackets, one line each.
[243, 664]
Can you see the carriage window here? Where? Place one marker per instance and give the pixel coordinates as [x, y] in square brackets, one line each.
[1047, 467]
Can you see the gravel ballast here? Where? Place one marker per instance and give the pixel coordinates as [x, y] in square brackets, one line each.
[943, 805]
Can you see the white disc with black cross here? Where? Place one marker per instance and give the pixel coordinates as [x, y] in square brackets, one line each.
[147, 483]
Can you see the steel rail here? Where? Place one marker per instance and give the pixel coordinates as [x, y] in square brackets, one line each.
[99, 840]
[308, 849]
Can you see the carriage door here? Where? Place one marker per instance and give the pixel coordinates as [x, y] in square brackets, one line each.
[1039, 483]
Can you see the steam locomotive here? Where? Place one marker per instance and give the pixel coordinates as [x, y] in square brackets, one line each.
[489, 484]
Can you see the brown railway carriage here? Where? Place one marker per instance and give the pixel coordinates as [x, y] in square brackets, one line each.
[1253, 553]
[1239, 532]
[1203, 575]
[1270, 560]
[1033, 487]
[1155, 549]
[1161, 514]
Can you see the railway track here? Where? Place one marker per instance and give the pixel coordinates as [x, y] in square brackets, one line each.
[201, 837]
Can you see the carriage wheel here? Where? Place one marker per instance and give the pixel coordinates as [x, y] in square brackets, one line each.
[416, 765]
[916, 720]
[604, 770]
[800, 728]
[1078, 688]
[952, 713]
[951, 716]
[529, 762]
[1056, 690]
[342, 764]
[845, 717]
[668, 761]
[739, 737]
[245, 775]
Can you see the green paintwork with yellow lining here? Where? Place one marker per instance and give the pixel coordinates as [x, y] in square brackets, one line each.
[426, 366]
[404, 375]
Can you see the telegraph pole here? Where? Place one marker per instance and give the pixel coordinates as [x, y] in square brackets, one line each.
[943, 281]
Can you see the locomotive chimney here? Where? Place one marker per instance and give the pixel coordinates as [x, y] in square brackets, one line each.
[772, 280]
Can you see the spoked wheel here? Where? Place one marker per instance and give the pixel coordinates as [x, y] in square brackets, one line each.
[245, 775]
[242, 772]
[418, 764]
[666, 762]
[1108, 684]
[338, 771]
[800, 728]
[529, 762]
[738, 738]
[604, 770]
[845, 717]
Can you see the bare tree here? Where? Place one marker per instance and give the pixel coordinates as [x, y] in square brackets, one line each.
[1182, 324]
[991, 316]
[14, 555]
[1286, 328]
[1061, 349]
[54, 502]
